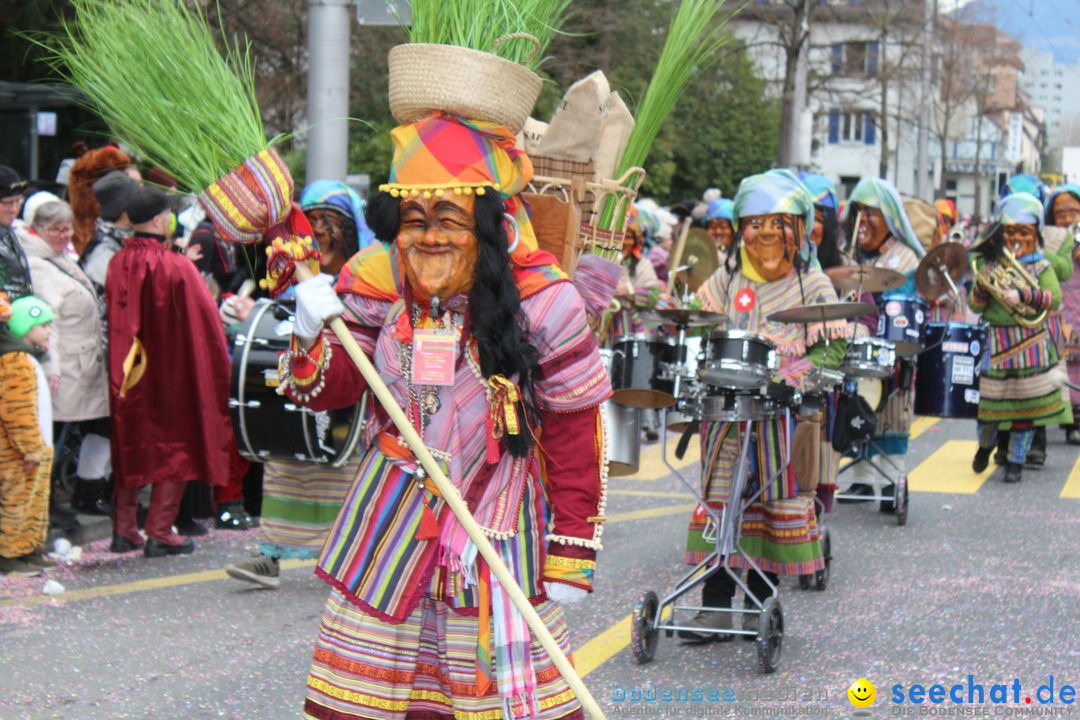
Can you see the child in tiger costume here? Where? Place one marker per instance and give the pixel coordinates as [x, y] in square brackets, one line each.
[25, 436]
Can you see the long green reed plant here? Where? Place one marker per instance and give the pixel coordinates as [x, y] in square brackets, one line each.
[152, 70]
[477, 24]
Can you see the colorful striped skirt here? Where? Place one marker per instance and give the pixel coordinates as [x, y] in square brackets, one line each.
[1021, 379]
[421, 669]
[301, 500]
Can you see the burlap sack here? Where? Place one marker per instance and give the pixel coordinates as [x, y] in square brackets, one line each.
[618, 124]
[575, 130]
[806, 453]
[531, 136]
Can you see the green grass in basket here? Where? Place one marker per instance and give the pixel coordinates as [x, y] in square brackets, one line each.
[477, 24]
[152, 70]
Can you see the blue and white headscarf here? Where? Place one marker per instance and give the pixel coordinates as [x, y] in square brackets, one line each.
[1024, 184]
[1019, 209]
[821, 189]
[722, 209]
[334, 195]
[777, 192]
[880, 194]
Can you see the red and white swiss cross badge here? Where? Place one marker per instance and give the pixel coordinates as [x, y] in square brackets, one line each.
[744, 300]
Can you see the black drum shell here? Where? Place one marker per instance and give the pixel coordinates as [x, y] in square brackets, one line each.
[937, 392]
[902, 321]
[738, 360]
[637, 367]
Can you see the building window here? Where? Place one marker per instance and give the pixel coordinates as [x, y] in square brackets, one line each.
[855, 59]
[852, 126]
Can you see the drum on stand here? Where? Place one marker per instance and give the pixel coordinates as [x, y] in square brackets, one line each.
[868, 358]
[623, 426]
[269, 426]
[637, 366]
[902, 321]
[688, 404]
[948, 384]
[739, 360]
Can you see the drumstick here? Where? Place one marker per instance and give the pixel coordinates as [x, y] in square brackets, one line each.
[457, 505]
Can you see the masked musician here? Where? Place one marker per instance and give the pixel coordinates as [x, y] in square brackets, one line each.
[884, 238]
[718, 219]
[1017, 390]
[484, 342]
[826, 234]
[770, 273]
[1063, 211]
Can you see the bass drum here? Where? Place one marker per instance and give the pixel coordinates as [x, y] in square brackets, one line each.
[948, 383]
[269, 426]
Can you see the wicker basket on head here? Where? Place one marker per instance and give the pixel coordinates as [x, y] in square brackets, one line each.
[426, 78]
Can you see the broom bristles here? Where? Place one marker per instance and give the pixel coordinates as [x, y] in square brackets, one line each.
[153, 72]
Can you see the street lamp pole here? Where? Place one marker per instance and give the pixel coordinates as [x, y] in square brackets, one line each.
[329, 27]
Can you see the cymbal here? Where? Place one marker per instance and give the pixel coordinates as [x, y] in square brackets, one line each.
[864, 277]
[823, 312]
[699, 253]
[948, 258]
[683, 316]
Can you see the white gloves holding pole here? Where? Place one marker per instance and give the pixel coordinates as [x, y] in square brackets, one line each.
[316, 303]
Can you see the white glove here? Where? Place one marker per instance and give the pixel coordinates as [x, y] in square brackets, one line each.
[563, 593]
[316, 302]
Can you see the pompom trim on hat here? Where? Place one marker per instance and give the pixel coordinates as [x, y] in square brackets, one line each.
[438, 189]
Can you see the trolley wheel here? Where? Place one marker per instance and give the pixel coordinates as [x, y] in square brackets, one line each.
[770, 637]
[643, 635]
[805, 581]
[902, 500]
[821, 577]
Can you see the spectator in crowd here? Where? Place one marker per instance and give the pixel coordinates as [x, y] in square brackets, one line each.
[167, 390]
[26, 437]
[14, 269]
[112, 227]
[76, 367]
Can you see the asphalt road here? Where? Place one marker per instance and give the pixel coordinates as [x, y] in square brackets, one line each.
[984, 580]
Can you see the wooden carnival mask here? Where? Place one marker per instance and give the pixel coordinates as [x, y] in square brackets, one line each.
[330, 227]
[722, 233]
[437, 244]
[1021, 239]
[872, 231]
[772, 242]
[1066, 210]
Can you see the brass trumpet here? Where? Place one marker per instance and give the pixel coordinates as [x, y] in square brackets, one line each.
[1009, 274]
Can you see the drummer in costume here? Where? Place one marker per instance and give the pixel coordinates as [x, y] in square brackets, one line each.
[718, 223]
[1063, 211]
[505, 390]
[1059, 254]
[301, 499]
[1017, 388]
[770, 273]
[885, 239]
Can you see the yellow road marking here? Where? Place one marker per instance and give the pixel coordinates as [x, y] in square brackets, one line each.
[651, 464]
[921, 425]
[948, 470]
[1072, 485]
[651, 493]
[603, 647]
[651, 513]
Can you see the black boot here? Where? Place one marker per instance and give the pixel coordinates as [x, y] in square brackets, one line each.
[1013, 472]
[1072, 434]
[982, 459]
[62, 517]
[1037, 454]
[1002, 454]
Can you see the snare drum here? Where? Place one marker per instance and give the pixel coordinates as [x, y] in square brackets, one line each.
[269, 426]
[637, 368]
[739, 360]
[623, 426]
[869, 357]
[740, 406]
[948, 383]
[902, 320]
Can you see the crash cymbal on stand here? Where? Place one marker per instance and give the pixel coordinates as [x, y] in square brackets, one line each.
[864, 277]
[946, 261]
[699, 259]
[823, 312]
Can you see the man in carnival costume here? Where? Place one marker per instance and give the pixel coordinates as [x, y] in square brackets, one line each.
[718, 219]
[771, 272]
[884, 238]
[485, 343]
[1017, 388]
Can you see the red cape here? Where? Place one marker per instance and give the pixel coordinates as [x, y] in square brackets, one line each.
[173, 424]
